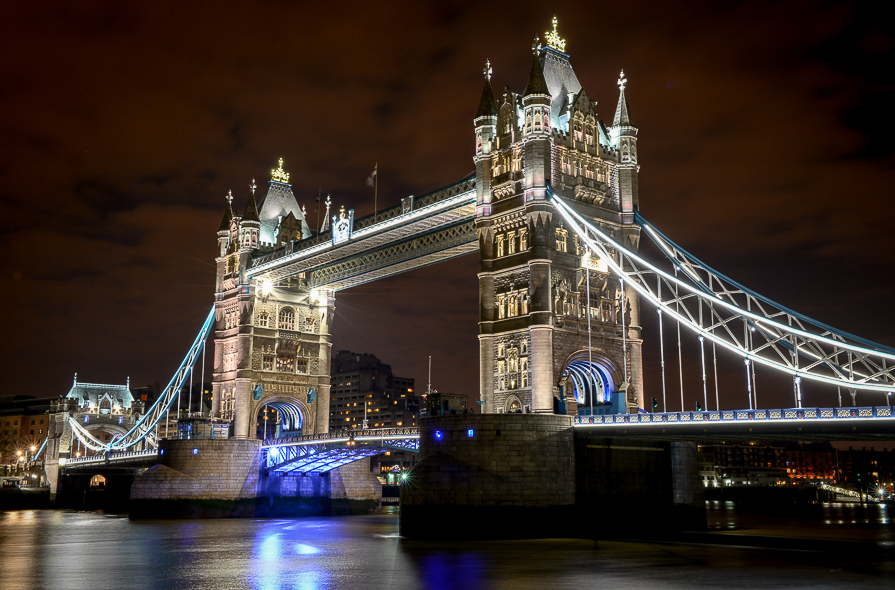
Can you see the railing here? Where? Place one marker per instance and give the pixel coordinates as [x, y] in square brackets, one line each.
[344, 436]
[781, 415]
[111, 458]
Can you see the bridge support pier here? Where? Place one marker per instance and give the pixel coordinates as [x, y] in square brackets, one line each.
[530, 475]
[199, 478]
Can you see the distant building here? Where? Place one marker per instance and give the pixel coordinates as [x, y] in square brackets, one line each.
[442, 404]
[361, 380]
[24, 423]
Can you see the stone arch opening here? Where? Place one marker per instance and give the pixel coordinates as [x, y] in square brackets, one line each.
[591, 381]
[98, 482]
[277, 417]
[513, 405]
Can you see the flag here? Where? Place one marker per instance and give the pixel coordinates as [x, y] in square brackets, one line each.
[372, 178]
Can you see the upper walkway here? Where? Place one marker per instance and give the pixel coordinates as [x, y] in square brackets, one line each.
[418, 232]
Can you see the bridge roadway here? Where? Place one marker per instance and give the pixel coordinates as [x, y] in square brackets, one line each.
[796, 424]
[323, 452]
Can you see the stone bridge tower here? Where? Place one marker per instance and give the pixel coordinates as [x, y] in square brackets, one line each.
[554, 322]
[272, 340]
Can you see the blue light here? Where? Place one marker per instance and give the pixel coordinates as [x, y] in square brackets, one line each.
[438, 434]
[470, 433]
[195, 451]
[162, 452]
[274, 451]
[86, 419]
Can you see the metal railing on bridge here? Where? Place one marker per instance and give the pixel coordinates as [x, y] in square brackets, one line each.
[110, 458]
[782, 415]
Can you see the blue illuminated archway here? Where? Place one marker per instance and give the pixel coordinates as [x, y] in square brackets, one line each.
[590, 382]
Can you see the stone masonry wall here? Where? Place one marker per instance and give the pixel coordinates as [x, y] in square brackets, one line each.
[225, 469]
[521, 460]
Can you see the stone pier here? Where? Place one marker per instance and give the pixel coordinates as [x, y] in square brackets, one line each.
[222, 478]
[530, 475]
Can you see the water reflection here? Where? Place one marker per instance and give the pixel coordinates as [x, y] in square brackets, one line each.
[74, 551]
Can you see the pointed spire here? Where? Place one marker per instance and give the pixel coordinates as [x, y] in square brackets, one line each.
[536, 82]
[622, 112]
[251, 213]
[487, 105]
[228, 214]
[325, 225]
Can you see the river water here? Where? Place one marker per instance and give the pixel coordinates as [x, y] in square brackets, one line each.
[66, 550]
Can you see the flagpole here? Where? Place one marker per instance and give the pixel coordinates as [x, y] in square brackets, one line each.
[375, 192]
[317, 227]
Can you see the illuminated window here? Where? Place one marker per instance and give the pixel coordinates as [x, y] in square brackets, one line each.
[309, 324]
[500, 348]
[263, 319]
[528, 124]
[523, 239]
[589, 133]
[286, 319]
[523, 368]
[577, 131]
[500, 367]
[500, 239]
[566, 165]
[523, 299]
[537, 120]
[511, 242]
[301, 365]
[231, 264]
[561, 236]
[513, 305]
[501, 307]
[285, 363]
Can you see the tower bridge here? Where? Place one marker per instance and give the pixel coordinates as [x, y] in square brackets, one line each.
[553, 212]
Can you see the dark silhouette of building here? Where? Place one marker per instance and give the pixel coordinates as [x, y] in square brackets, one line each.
[362, 381]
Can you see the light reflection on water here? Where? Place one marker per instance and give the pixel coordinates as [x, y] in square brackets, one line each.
[72, 551]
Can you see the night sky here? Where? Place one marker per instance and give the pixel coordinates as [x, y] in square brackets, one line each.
[123, 126]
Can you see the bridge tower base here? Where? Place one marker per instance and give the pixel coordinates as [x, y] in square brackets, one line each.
[530, 475]
[221, 478]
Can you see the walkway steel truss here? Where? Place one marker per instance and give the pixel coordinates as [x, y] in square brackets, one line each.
[325, 452]
[420, 231]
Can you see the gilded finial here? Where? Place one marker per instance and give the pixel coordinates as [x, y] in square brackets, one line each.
[252, 186]
[229, 197]
[487, 70]
[554, 40]
[536, 46]
[279, 174]
[622, 81]
[341, 211]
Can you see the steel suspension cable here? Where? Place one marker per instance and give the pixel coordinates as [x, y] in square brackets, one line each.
[590, 359]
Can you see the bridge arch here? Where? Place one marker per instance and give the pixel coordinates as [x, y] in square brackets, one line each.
[513, 405]
[283, 415]
[591, 378]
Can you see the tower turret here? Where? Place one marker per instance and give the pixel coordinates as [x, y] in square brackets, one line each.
[250, 225]
[623, 135]
[224, 230]
[485, 135]
[536, 130]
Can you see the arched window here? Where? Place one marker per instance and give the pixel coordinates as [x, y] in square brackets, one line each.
[511, 242]
[523, 239]
[263, 319]
[537, 120]
[286, 319]
[577, 131]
